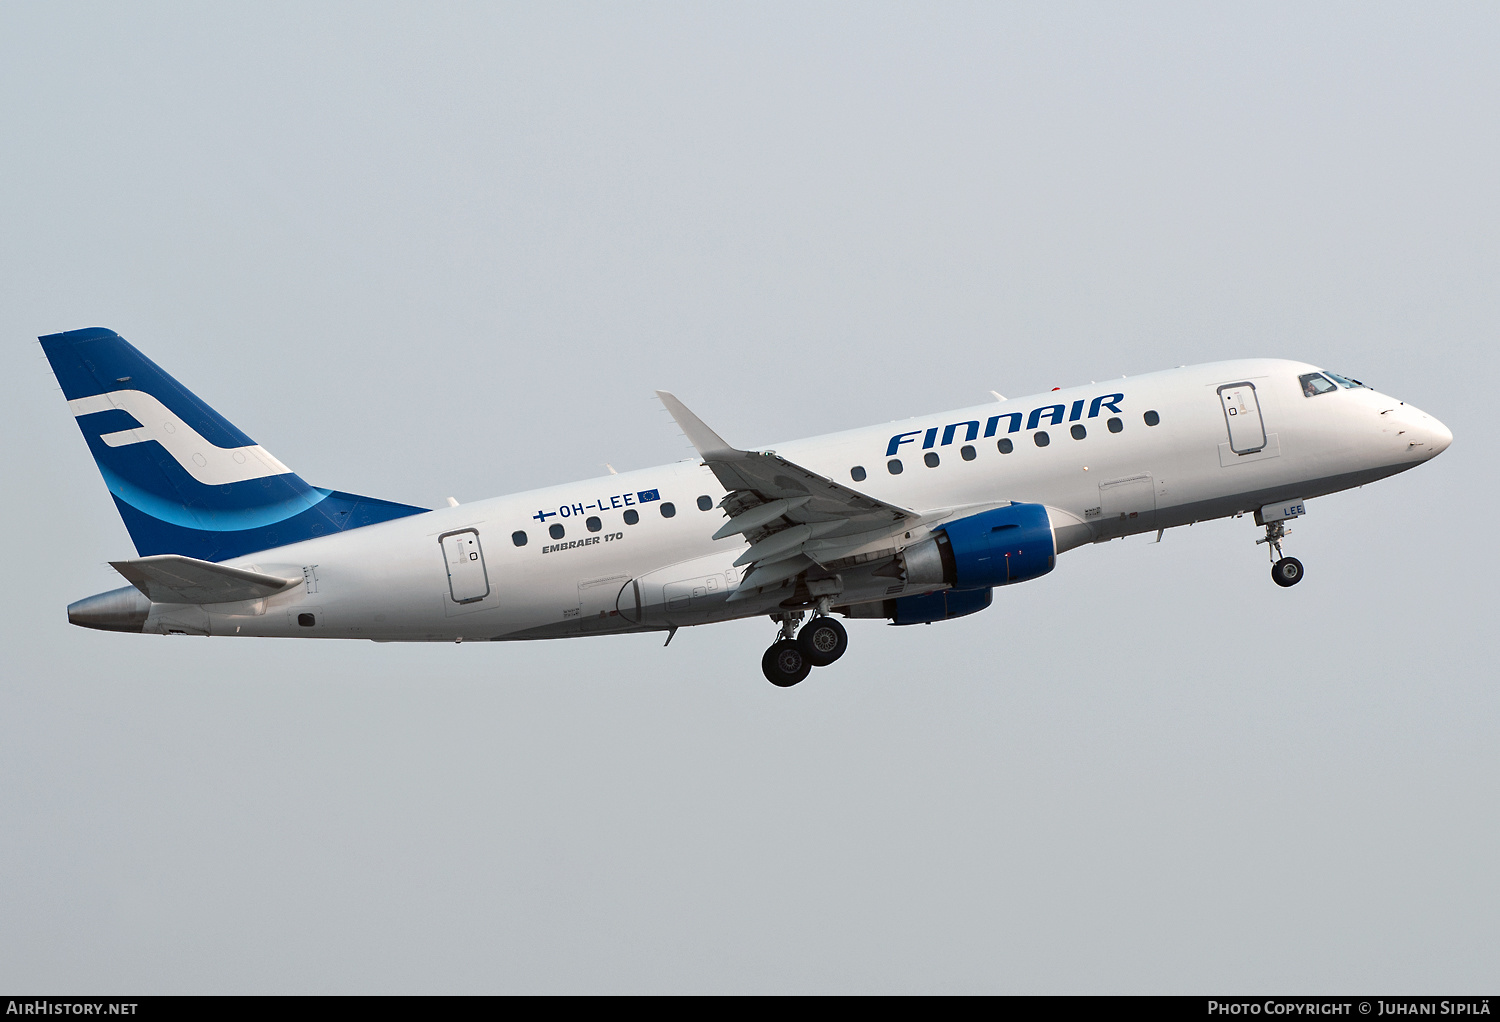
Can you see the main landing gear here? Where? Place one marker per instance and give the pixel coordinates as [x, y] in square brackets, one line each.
[820, 642]
[1285, 571]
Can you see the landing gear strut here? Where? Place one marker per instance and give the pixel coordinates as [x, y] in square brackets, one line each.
[820, 642]
[786, 663]
[1285, 571]
[823, 640]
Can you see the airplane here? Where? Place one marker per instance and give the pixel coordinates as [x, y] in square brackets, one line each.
[912, 522]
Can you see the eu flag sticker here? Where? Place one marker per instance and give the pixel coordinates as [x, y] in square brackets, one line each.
[647, 496]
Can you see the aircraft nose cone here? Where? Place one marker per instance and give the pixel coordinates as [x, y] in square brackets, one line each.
[1420, 436]
[1442, 436]
[1427, 436]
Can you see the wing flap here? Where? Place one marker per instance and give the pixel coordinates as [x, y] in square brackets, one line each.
[771, 574]
[755, 517]
[792, 516]
[173, 578]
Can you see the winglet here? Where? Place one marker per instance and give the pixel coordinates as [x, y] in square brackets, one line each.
[710, 445]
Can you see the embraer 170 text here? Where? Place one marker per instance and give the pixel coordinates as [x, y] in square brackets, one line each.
[913, 522]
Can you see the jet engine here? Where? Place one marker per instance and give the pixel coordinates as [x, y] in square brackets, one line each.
[992, 548]
[970, 556]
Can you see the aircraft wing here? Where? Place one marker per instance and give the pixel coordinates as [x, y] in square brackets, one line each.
[172, 578]
[793, 517]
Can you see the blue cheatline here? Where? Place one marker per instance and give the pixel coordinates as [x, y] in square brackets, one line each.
[185, 480]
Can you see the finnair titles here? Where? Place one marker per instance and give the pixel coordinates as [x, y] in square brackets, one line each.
[909, 523]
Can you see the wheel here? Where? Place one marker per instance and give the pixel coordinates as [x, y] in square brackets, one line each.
[785, 664]
[1287, 571]
[823, 640]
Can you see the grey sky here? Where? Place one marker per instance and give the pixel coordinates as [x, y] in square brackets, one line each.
[439, 249]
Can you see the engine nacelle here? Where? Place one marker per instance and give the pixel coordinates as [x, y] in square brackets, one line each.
[943, 605]
[992, 548]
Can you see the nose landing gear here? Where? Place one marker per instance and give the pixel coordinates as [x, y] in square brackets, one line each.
[1285, 571]
[820, 642]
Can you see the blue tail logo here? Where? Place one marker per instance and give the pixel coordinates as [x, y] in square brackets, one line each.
[184, 479]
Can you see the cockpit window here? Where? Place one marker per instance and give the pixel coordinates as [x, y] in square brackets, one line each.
[1343, 381]
[1314, 384]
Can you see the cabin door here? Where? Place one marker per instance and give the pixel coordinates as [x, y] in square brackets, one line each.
[1247, 430]
[467, 580]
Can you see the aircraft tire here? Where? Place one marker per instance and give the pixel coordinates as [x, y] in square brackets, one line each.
[823, 640]
[1287, 571]
[785, 664]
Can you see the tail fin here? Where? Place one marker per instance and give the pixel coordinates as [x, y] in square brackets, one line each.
[185, 480]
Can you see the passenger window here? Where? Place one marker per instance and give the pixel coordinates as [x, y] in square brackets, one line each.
[594, 523]
[1115, 425]
[857, 473]
[968, 452]
[668, 509]
[632, 516]
[1151, 418]
[705, 502]
[1314, 384]
[1078, 431]
[518, 538]
[893, 466]
[306, 620]
[556, 532]
[931, 459]
[1005, 445]
[1041, 438]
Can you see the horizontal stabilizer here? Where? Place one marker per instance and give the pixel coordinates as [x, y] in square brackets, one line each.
[172, 578]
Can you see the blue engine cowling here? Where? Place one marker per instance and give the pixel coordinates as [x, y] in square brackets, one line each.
[939, 606]
[969, 557]
[992, 548]
[996, 548]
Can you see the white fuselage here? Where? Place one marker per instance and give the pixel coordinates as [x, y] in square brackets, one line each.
[392, 581]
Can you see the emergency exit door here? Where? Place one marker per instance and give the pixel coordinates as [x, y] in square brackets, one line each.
[467, 580]
[1247, 430]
